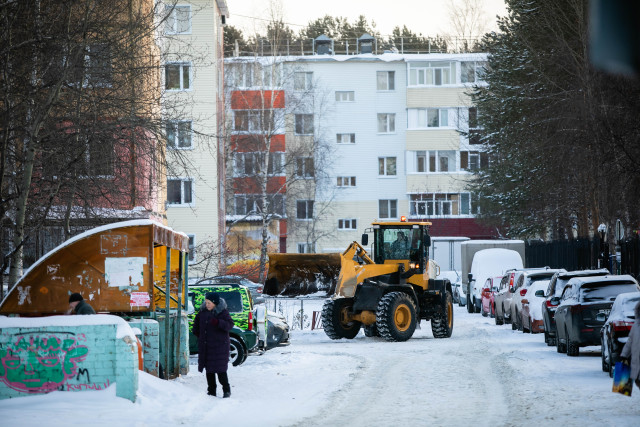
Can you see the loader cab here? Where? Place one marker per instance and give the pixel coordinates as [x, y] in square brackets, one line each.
[401, 241]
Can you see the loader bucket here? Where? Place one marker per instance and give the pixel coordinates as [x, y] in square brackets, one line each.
[301, 274]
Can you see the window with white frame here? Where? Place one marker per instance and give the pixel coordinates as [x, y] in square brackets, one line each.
[304, 167]
[472, 161]
[252, 204]
[345, 96]
[178, 19]
[306, 248]
[475, 131]
[253, 120]
[387, 208]
[386, 123]
[240, 75]
[251, 163]
[192, 248]
[472, 71]
[302, 80]
[440, 204]
[421, 118]
[177, 76]
[385, 80]
[346, 181]
[304, 209]
[347, 224]
[303, 124]
[179, 134]
[346, 138]
[179, 191]
[431, 73]
[387, 166]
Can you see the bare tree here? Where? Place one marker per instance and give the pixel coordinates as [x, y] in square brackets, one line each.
[468, 21]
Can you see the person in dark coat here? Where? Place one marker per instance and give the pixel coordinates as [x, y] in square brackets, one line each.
[631, 350]
[212, 325]
[77, 305]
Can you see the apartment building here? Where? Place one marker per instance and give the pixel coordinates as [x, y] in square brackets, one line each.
[401, 135]
[192, 58]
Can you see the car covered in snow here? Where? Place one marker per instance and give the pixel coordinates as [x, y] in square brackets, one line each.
[272, 328]
[583, 299]
[489, 263]
[554, 290]
[488, 292]
[615, 332]
[523, 280]
[502, 298]
[532, 307]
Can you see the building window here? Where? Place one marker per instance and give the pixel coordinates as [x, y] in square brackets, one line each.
[304, 167]
[432, 161]
[385, 80]
[192, 248]
[346, 181]
[304, 209]
[179, 134]
[472, 161]
[177, 76]
[421, 118]
[387, 209]
[94, 68]
[178, 20]
[304, 124]
[347, 224]
[306, 248]
[302, 81]
[387, 166]
[386, 123]
[346, 138]
[472, 72]
[251, 163]
[252, 204]
[431, 73]
[440, 204]
[253, 120]
[345, 96]
[179, 191]
[475, 132]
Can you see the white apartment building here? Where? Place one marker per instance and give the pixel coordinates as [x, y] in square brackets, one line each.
[397, 128]
[192, 80]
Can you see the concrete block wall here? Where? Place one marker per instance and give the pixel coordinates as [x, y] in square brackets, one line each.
[150, 339]
[69, 357]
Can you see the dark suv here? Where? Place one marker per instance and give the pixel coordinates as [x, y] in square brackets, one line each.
[240, 305]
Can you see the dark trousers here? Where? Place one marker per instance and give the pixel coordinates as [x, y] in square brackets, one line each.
[211, 382]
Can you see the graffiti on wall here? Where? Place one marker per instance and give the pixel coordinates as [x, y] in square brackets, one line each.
[40, 362]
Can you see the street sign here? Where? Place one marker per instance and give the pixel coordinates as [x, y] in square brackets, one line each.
[619, 230]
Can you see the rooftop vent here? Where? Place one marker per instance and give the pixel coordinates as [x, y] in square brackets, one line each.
[365, 43]
[323, 45]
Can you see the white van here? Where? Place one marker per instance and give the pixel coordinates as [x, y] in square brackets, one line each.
[490, 263]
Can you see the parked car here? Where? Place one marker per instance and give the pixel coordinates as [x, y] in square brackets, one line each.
[502, 298]
[277, 330]
[615, 332]
[556, 286]
[583, 298]
[255, 288]
[240, 305]
[523, 280]
[459, 291]
[488, 292]
[454, 278]
[489, 263]
[532, 307]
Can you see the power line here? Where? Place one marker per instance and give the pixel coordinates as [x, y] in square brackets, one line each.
[267, 20]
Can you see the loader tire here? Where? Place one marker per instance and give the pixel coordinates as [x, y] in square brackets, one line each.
[334, 315]
[442, 324]
[396, 317]
[371, 330]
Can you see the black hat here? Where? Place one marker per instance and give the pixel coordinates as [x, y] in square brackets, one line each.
[213, 297]
[75, 297]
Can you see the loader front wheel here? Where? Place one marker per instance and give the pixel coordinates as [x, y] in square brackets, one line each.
[335, 320]
[396, 317]
[442, 324]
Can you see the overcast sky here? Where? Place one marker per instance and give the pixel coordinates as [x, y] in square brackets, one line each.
[429, 17]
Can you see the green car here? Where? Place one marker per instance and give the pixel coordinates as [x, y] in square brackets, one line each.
[243, 336]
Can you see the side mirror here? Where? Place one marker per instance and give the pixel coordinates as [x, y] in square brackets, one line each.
[554, 301]
[365, 239]
[540, 293]
[512, 290]
[601, 317]
[427, 240]
[470, 277]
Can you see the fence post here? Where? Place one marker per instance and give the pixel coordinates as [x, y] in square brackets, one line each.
[301, 314]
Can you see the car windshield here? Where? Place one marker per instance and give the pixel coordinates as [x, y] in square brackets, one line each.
[605, 291]
[628, 309]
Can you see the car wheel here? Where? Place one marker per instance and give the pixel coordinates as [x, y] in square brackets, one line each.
[237, 353]
[493, 311]
[560, 346]
[506, 318]
[518, 318]
[484, 313]
[477, 304]
[572, 347]
[526, 330]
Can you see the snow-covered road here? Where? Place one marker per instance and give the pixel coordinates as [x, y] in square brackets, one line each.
[484, 375]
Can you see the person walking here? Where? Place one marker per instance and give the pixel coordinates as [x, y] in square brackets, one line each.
[631, 350]
[212, 325]
[77, 305]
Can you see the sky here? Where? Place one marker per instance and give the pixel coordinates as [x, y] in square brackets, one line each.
[428, 17]
[484, 375]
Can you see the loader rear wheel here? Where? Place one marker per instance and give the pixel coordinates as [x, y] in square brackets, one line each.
[335, 320]
[371, 331]
[396, 317]
[442, 324]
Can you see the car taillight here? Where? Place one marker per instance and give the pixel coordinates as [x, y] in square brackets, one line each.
[251, 320]
[523, 292]
[511, 280]
[549, 304]
[259, 290]
[621, 326]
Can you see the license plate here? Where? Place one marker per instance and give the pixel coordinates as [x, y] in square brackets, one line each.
[605, 311]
